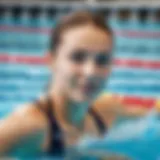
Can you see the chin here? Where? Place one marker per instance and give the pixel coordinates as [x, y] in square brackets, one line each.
[82, 98]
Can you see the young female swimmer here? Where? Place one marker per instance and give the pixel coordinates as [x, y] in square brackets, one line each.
[80, 58]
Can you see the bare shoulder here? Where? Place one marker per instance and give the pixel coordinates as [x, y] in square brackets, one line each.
[108, 106]
[25, 122]
[108, 102]
[29, 116]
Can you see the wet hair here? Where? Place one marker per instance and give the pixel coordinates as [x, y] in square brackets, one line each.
[76, 19]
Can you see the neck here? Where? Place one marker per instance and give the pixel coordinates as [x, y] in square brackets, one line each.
[76, 112]
[67, 111]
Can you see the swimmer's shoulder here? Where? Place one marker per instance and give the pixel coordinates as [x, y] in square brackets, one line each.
[108, 102]
[108, 107]
[26, 122]
[30, 113]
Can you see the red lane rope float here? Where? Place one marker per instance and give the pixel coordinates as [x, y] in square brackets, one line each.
[17, 59]
[131, 101]
[135, 63]
[37, 60]
[139, 101]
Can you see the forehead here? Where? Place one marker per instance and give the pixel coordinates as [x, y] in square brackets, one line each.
[87, 37]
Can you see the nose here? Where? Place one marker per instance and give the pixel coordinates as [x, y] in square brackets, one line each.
[90, 69]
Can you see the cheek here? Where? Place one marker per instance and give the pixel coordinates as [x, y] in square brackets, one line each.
[74, 75]
[67, 72]
[62, 67]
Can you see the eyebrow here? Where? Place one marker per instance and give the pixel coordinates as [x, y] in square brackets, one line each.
[87, 51]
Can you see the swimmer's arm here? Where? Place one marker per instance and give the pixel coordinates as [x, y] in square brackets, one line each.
[19, 133]
[110, 108]
[117, 109]
[114, 105]
[136, 111]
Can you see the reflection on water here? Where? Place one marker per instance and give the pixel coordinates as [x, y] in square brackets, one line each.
[138, 139]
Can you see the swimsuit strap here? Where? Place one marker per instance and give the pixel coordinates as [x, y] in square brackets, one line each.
[99, 122]
[56, 146]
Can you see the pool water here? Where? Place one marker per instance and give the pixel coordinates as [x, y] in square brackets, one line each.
[137, 139]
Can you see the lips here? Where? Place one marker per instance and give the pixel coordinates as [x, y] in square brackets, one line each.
[89, 88]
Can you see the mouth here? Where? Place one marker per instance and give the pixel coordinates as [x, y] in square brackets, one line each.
[89, 88]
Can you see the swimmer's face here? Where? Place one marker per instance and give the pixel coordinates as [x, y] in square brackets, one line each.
[82, 62]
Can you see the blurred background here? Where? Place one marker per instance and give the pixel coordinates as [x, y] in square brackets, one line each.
[24, 38]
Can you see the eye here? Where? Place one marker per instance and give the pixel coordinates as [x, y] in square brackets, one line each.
[78, 56]
[103, 59]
